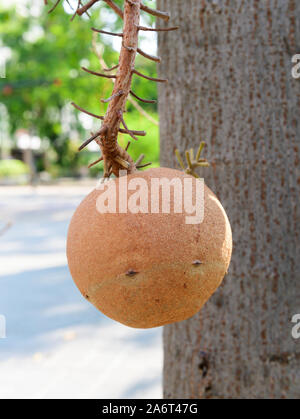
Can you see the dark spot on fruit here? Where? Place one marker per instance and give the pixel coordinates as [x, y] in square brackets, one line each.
[184, 286]
[197, 263]
[87, 297]
[131, 272]
[157, 300]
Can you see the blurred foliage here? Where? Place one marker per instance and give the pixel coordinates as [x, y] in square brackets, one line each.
[43, 76]
[12, 168]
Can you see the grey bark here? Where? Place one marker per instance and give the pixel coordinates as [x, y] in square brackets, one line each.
[230, 84]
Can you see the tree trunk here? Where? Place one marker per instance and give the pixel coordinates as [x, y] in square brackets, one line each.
[230, 84]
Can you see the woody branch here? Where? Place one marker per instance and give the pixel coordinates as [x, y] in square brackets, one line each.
[114, 157]
[114, 115]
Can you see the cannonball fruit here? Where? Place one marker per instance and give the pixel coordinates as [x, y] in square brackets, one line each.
[147, 268]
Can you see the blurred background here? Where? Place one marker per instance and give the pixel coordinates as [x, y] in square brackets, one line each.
[57, 344]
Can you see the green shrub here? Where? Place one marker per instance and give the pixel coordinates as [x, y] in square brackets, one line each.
[11, 168]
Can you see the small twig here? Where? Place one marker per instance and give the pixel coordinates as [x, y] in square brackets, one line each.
[149, 78]
[144, 165]
[107, 76]
[138, 133]
[202, 163]
[107, 33]
[200, 149]
[78, 7]
[139, 160]
[142, 111]
[86, 112]
[158, 13]
[120, 114]
[70, 5]
[75, 13]
[54, 7]
[112, 68]
[95, 162]
[150, 57]
[115, 7]
[123, 131]
[188, 158]
[142, 100]
[87, 142]
[128, 145]
[120, 93]
[144, 28]
[86, 7]
[192, 153]
[192, 163]
[179, 159]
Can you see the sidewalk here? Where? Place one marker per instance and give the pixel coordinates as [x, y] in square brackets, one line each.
[57, 344]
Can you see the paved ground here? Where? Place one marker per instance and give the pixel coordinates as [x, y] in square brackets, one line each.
[57, 344]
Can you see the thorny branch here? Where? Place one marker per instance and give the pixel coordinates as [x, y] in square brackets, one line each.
[132, 101]
[114, 157]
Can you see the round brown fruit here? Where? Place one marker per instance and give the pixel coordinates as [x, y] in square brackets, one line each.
[147, 270]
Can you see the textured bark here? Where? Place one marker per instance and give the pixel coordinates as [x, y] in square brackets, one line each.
[230, 84]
